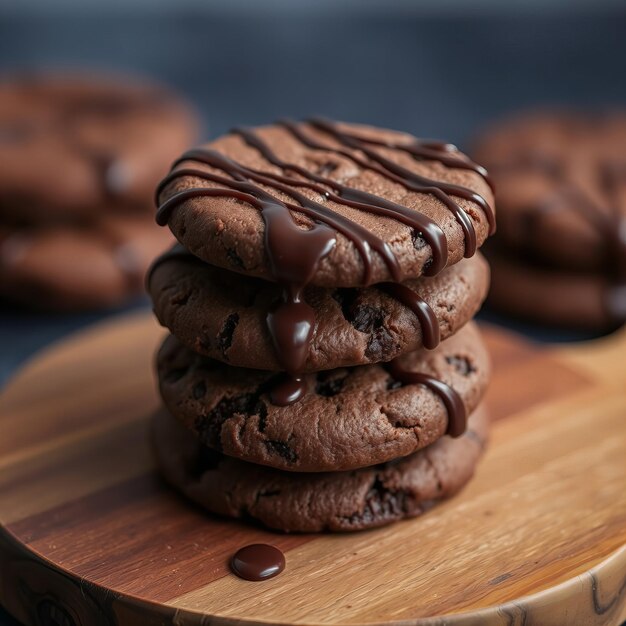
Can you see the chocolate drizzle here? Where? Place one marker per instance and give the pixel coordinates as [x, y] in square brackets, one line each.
[457, 413]
[348, 196]
[410, 180]
[295, 253]
[424, 313]
[288, 389]
[446, 153]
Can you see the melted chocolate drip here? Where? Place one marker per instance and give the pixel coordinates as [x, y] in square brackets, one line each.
[457, 414]
[295, 253]
[288, 389]
[348, 196]
[426, 316]
[257, 562]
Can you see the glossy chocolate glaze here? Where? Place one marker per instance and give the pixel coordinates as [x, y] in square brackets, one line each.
[257, 562]
[457, 414]
[296, 253]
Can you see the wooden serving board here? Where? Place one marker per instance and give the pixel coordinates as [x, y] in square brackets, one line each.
[91, 536]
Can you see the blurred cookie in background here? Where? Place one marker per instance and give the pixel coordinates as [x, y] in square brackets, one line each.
[560, 253]
[80, 157]
[72, 146]
[83, 266]
[572, 300]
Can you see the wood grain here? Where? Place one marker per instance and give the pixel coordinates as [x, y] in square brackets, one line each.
[91, 536]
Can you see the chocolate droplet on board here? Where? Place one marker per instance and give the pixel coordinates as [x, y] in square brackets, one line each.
[258, 561]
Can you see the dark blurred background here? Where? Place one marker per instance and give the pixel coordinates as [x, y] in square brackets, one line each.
[437, 68]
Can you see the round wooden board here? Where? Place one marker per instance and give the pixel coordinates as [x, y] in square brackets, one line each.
[91, 536]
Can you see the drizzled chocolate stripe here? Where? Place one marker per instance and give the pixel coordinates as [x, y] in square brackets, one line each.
[417, 180]
[294, 256]
[392, 171]
[429, 323]
[363, 239]
[457, 413]
[348, 196]
[446, 153]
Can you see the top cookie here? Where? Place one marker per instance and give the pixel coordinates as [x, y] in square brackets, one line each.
[69, 145]
[330, 204]
[561, 180]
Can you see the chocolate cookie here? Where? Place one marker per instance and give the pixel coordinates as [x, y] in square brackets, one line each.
[330, 204]
[73, 145]
[580, 300]
[342, 501]
[348, 418]
[223, 315]
[100, 263]
[561, 180]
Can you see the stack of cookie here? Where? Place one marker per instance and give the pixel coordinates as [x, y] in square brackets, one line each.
[323, 371]
[560, 254]
[79, 159]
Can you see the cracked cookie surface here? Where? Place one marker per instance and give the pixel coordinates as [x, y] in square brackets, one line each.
[342, 501]
[350, 417]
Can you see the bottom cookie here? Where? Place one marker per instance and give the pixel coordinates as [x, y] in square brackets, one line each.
[304, 502]
[557, 298]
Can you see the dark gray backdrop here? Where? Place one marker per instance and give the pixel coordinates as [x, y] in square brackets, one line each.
[436, 74]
